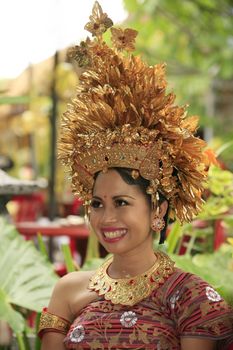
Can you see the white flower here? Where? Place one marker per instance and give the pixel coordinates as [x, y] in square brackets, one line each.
[212, 294]
[77, 334]
[174, 298]
[128, 319]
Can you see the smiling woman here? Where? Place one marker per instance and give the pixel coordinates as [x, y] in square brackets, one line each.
[121, 216]
[135, 162]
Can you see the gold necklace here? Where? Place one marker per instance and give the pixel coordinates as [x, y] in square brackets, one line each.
[129, 291]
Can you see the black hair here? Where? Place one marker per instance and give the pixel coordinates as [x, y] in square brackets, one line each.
[143, 184]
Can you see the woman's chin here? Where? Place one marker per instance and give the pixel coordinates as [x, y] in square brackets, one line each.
[117, 247]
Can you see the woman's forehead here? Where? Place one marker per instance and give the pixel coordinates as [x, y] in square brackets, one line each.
[111, 183]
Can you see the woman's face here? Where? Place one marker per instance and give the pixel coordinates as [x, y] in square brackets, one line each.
[120, 215]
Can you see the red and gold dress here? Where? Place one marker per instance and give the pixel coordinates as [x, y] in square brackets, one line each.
[183, 306]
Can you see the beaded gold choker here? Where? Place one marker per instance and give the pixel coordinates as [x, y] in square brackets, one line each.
[130, 291]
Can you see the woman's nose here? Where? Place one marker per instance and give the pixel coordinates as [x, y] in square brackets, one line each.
[109, 215]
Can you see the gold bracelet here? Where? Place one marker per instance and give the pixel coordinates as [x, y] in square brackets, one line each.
[52, 323]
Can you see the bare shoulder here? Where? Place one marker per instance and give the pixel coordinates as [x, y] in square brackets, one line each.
[74, 280]
[70, 293]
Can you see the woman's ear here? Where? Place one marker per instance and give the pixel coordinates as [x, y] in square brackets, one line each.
[163, 208]
[161, 211]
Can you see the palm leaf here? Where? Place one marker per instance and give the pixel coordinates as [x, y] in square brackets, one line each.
[8, 314]
[26, 276]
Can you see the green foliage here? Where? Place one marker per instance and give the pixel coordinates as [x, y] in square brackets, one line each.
[14, 100]
[92, 264]
[219, 201]
[174, 237]
[42, 246]
[220, 187]
[68, 258]
[214, 268]
[26, 277]
[192, 36]
[92, 246]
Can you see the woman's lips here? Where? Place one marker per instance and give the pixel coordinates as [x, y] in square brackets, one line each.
[113, 234]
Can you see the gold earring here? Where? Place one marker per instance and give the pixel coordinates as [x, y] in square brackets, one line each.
[158, 222]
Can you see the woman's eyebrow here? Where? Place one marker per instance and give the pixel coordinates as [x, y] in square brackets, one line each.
[96, 197]
[115, 197]
[123, 195]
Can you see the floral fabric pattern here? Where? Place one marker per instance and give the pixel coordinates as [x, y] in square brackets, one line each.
[77, 334]
[128, 319]
[212, 294]
[174, 298]
[184, 305]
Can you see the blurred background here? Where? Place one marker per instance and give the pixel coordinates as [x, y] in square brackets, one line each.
[195, 39]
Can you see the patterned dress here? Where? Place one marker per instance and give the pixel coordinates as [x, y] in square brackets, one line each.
[183, 306]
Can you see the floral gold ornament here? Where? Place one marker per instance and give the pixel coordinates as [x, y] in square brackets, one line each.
[122, 116]
[158, 223]
[99, 21]
[124, 39]
[130, 291]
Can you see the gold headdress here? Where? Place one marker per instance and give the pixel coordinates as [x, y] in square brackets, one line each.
[122, 117]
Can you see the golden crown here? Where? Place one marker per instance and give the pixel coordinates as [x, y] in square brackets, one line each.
[122, 117]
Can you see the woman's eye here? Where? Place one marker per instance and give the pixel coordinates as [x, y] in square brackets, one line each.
[121, 202]
[96, 204]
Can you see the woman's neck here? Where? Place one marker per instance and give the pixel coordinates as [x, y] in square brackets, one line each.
[131, 264]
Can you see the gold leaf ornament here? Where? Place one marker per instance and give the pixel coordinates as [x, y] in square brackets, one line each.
[99, 21]
[80, 54]
[124, 39]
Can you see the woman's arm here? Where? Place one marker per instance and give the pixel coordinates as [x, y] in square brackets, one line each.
[59, 305]
[195, 343]
[70, 295]
[53, 341]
